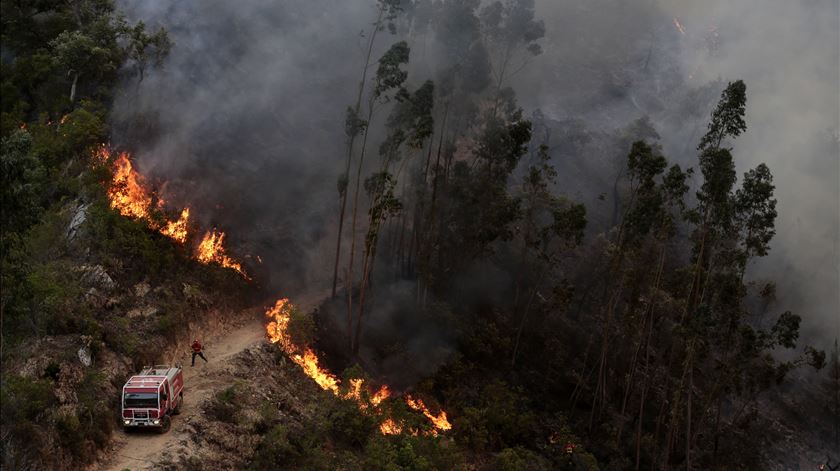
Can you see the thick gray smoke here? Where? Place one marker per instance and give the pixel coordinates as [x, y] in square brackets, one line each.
[246, 118]
[608, 62]
[245, 122]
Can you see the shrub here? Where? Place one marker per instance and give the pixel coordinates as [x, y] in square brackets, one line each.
[349, 425]
[274, 450]
[225, 406]
[519, 459]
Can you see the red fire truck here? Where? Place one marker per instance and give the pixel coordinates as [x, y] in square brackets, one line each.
[152, 396]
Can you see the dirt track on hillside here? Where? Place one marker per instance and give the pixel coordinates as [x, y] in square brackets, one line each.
[142, 450]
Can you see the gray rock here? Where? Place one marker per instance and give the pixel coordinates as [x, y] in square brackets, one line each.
[79, 217]
[84, 356]
[96, 275]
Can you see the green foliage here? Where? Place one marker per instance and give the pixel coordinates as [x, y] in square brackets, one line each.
[728, 117]
[519, 459]
[408, 453]
[499, 418]
[274, 450]
[389, 75]
[347, 424]
[23, 181]
[301, 327]
[226, 404]
[146, 49]
[24, 398]
[756, 210]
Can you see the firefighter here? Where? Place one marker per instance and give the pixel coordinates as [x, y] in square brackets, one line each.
[197, 350]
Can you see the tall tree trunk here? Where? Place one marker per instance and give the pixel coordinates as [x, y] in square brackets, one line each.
[358, 185]
[350, 144]
[73, 87]
[522, 326]
[646, 318]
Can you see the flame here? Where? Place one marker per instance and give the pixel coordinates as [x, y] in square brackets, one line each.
[212, 250]
[381, 395]
[679, 26]
[389, 427]
[127, 194]
[102, 154]
[177, 229]
[305, 357]
[439, 421]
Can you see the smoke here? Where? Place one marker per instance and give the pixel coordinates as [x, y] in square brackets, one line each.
[787, 54]
[608, 63]
[245, 120]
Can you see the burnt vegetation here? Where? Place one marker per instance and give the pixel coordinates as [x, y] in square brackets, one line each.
[565, 313]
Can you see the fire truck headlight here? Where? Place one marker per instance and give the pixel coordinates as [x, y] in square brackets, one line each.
[156, 421]
[126, 421]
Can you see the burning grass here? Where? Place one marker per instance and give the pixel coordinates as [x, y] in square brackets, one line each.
[368, 399]
[129, 194]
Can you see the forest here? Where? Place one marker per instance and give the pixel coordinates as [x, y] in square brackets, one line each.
[458, 234]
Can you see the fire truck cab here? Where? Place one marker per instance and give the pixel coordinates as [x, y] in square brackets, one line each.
[152, 396]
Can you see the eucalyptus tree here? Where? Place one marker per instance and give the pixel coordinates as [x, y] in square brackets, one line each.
[145, 49]
[511, 31]
[550, 226]
[387, 11]
[411, 124]
[387, 86]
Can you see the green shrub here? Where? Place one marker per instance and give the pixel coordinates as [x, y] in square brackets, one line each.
[500, 419]
[519, 459]
[348, 424]
[274, 450]
[25, 398]
[301, 327]
[225, 406]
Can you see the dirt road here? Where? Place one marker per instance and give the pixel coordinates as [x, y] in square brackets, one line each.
[140, 450]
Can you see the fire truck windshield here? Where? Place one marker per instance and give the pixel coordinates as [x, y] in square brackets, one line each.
[141, 400]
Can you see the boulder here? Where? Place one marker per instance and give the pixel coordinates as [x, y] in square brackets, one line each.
[76, 221]
[95, 275]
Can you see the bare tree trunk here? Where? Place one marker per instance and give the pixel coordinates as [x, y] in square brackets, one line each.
[350, 153]
[358, 184]
[522, 325]
[73, 87]
[647, 317]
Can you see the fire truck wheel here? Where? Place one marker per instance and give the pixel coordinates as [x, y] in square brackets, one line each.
[177, 409]
[165, 424]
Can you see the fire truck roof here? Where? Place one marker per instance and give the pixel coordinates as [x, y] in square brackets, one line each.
[144, 381]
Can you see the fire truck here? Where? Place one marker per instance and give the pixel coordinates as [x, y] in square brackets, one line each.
[150, 398]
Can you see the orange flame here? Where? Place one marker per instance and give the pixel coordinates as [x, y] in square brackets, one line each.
[389, 427]
[305, 357]
[381, 395]
[277, 333]
[439, 421]
[679, 26]
[212, 250]
[127, 194]
[177, 229]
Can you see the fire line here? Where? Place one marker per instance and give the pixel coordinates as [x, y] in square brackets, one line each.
[307, 360]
